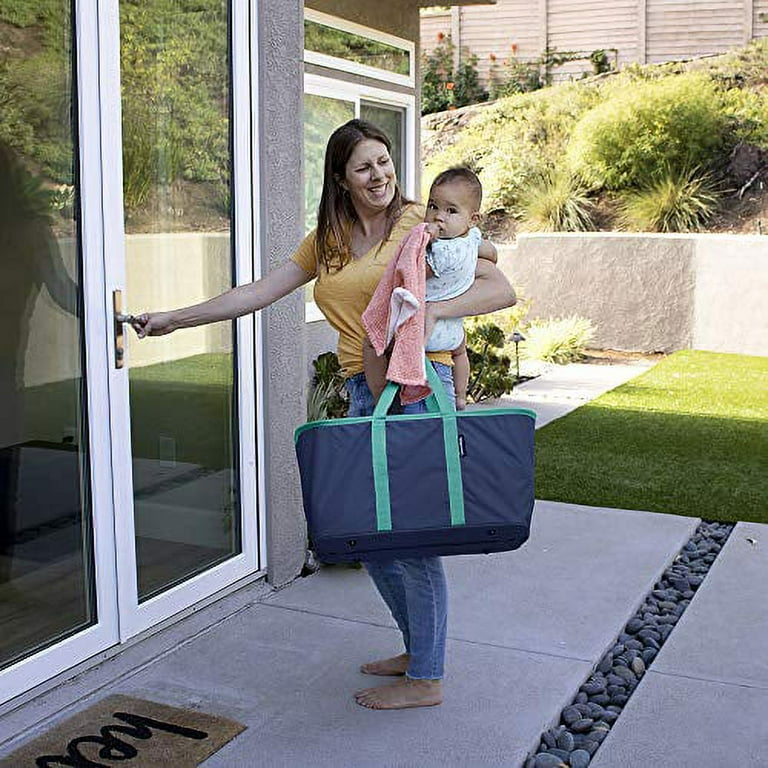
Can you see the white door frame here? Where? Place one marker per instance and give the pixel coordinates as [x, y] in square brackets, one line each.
[134, 617]
[119, 617]
[50, 662]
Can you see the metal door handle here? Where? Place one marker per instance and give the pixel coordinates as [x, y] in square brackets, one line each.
[117, 327]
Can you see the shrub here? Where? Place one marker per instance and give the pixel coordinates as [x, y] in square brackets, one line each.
[557, 202]
[514, 76]
[747, 112]
[645, 131]
[490, 374]
[327, 396]
[443, 86]
[557, 340]
[679, 202]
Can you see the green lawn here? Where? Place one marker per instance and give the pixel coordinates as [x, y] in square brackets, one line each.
[688, 437]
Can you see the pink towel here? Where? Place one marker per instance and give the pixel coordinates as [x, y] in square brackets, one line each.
[397, 308]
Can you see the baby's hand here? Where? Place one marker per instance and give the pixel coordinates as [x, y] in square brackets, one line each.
[434, 230]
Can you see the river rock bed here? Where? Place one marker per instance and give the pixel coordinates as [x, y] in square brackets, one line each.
[587, 720]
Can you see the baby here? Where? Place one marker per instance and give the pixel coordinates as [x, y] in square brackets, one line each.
[453, 210]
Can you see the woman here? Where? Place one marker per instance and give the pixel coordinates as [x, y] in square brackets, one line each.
[361, 219]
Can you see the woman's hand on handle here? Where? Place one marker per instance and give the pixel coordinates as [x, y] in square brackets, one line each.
[227, 306]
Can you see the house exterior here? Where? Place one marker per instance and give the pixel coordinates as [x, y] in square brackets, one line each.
[152, 155]
[641, 31]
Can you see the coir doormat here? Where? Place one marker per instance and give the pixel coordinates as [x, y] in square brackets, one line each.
[127, 732]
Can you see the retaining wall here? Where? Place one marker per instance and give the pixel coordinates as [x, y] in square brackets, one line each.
[649, 292]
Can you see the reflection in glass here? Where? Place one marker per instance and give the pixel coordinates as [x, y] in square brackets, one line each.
[362, 50]
[46, 564]
[391, 120]
[177, 179]
[322, 115]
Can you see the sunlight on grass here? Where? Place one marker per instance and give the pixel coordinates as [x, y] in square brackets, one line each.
[689, 437]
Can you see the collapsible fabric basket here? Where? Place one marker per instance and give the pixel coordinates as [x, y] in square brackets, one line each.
[436, 483]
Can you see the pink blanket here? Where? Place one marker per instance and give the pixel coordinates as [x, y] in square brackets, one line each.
[396, 311]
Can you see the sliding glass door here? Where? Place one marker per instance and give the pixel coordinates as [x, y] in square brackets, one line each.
[128, 479]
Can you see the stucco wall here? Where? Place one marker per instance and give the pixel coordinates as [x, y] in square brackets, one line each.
[730, 311]
[280, 25]
[649, 292]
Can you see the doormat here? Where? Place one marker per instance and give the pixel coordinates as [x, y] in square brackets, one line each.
[127, 732]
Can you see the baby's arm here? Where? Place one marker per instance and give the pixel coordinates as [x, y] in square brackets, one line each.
[487, 250]
[375, 369]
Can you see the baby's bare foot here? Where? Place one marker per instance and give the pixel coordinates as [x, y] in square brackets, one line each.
[395, 666]
[461, 403]
[402, 695]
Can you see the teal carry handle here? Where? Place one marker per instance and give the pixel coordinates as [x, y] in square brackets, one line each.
[439, 403]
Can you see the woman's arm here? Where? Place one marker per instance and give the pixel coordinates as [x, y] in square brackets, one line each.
[490, 292]
[227, 306]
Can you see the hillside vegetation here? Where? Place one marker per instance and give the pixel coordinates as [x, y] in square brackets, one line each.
[677, 147]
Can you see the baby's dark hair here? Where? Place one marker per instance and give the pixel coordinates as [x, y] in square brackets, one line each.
[465, 175]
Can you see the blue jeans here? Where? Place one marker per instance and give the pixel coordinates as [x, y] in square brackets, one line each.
[414, 589]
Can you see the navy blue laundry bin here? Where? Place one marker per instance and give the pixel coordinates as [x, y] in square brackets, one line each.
[411, 485]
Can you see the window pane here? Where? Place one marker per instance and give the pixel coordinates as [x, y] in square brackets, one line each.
[362, 50]
[322, 115]
[46, 563]
[176, 98]
[391, 120]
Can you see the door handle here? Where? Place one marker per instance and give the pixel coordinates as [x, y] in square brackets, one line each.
[118, 319]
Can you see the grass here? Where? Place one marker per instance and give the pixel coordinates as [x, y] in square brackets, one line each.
[689, 437]
[189, 400]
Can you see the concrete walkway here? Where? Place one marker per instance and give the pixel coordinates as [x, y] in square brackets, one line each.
[525, 630]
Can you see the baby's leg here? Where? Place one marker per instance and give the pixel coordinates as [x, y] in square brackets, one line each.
[461, 374]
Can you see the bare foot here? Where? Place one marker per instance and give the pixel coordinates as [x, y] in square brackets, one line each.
[395, 666]
[402, 695]
[461, 403]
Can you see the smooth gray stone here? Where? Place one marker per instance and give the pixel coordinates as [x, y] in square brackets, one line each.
[565, 741]
[545, 760]
[579, 758]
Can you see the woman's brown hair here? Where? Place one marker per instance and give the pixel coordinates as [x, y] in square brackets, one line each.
[336, 214]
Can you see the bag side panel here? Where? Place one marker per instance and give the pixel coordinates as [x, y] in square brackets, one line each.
[498, 468]
[337, 479]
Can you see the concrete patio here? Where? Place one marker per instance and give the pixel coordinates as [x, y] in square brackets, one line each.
[525, 630]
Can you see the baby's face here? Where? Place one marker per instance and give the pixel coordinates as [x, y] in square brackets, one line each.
[451, 206]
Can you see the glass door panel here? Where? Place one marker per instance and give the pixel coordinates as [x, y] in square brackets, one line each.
[177, 174]
[322, 115]
[391, 120]
[47, 588]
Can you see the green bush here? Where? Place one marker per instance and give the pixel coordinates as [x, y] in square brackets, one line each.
[490, 374]
[557, 202]
[443, 86]
[557, 340]
[747, 111]
[328, 397]
[678, 202]
[643, 132]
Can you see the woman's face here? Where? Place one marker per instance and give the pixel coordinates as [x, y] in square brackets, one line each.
[369, 177]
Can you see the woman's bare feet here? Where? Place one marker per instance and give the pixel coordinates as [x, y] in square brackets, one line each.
[397, 665]
[402, 695]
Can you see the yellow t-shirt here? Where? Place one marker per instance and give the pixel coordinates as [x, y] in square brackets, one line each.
[343, 295]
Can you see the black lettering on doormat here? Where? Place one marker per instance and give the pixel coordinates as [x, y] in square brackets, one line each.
[113, 748]
[127, 732]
